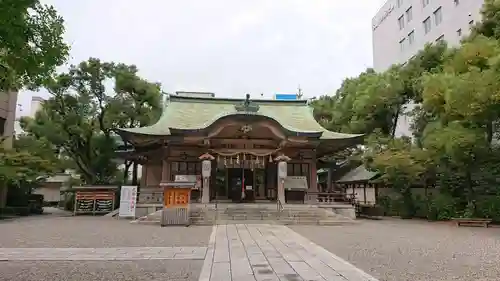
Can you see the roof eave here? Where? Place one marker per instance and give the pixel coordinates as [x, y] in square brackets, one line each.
[132, 137]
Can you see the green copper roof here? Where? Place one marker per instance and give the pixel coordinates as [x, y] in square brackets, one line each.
[188, 113]
[359, 174]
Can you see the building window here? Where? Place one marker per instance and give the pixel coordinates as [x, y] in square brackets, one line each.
[400, 3]
[298, 170]
[456, 2]
[184, 168]
[411, 37]
[438, 16]
[409, 14]
[440, 38]
[425, 3]
[459, 32]
[402, 44]
[427, 25]
[401, 22]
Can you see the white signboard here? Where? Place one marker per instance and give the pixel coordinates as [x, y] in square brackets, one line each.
[189, 178]
[128, 199]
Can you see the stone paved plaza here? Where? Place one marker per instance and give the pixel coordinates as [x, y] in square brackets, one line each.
[48, 248]
[271, 252]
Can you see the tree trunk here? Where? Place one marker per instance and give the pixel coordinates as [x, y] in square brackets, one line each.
[470, 190]
[395, 122]
[134, 174]
[125, 171]
[489, 132]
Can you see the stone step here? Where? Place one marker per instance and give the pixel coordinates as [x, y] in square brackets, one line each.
[305, 216]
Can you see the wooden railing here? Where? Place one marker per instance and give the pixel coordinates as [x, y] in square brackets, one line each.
[329, 197]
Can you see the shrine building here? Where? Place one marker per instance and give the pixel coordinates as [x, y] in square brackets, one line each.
[243, 138]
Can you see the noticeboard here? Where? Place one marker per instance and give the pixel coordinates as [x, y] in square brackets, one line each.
[94, 202]
[128, 200]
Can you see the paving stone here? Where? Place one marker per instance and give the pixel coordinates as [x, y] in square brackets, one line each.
[221, 271]
[259, 252]
[75, 254]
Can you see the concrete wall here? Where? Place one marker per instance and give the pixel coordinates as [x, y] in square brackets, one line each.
[8, 102]
[51, 192]
[36, 104]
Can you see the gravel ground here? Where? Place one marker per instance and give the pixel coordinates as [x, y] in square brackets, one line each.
[47, 231]
[100, 271]
[401, 250]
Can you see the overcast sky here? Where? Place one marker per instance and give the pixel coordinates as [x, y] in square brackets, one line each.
[230, 47]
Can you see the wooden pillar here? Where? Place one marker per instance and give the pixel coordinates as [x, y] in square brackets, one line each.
[364, 191]
[165, 171]
[329, 180]
[314, 176]
[144, 175]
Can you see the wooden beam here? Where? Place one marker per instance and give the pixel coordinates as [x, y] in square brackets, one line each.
[243, 141]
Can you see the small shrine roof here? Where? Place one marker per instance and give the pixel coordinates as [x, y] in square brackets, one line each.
[195, 113]
[359, 174]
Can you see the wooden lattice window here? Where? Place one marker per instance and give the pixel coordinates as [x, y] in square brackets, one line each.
[184, 168]
[298, 169]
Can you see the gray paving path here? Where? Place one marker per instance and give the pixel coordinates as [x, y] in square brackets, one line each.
[94, 254]
[274, 253]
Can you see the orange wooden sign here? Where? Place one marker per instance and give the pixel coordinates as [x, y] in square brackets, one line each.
[176, 197]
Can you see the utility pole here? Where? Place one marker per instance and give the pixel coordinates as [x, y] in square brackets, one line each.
[299, 93]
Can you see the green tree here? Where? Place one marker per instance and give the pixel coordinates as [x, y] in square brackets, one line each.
[81, 114]
[25, 166]
[363, 104]
[136, 103]
[489, 25]
[31, 43]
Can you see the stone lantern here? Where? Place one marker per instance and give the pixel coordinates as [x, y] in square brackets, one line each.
[282, 174]
[206, 171]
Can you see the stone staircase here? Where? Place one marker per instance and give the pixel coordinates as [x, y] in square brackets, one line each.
[210, 214]
[266, 214]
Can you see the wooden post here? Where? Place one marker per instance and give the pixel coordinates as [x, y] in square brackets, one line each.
[364, 191]
[94, 204]
[330, 180]
[314, 175]
[74, 207]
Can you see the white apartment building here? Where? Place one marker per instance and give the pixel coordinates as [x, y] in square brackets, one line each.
[402, 27]
[36, 104]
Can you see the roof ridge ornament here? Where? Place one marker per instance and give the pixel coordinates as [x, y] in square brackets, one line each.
[247, 105]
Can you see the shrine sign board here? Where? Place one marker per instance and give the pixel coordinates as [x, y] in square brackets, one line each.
[176, 196]
[94, 201]
[128, 199]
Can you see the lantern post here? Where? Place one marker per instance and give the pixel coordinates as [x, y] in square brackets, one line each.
[206, 171]
[282, 174]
